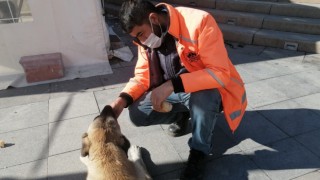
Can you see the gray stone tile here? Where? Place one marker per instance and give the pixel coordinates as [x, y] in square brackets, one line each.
[253, 131]
[65, 136]
[312, 59]
[23, 116]
[158, 153]
[291, 117]
[234, 166]
[310, 102]
[71, 87]
[24, 146]
[276, 53]
[106, 97]
[292, 64]
[66, 166]
[299, 82]
[246, 76]
[19, 96]
[310, 141]
[264, 70]
[72, 106]
[312, 175]
[240, 58]
[119, 77]
[311, 76]
[262, 93]
[244, 49]
[285, 159]
[32, 170]
[279, 89]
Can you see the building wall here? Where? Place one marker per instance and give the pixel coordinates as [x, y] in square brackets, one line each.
[75, 28]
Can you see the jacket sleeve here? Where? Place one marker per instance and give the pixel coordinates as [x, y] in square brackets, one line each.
[213, 56]
[139, 84]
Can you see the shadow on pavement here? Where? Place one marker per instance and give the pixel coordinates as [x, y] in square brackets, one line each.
[265, 142]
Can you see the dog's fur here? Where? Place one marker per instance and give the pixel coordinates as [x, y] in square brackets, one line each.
[104, 151]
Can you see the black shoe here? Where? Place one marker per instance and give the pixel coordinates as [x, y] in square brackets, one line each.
[195, 165]
[180, 127]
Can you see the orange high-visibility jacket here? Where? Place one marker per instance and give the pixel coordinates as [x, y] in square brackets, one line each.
[201, 49]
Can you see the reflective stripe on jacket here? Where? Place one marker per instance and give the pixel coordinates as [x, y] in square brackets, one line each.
[200, 46]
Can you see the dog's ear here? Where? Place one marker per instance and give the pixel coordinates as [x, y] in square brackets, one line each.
[85, 145]
[107, 112]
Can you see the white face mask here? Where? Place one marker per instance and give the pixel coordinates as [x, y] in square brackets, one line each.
[153, 41]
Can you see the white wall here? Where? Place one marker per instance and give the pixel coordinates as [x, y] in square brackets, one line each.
[73, 27]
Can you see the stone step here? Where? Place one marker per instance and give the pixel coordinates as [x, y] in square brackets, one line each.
[292, 24]
[270, 38]
[284, 9]
[288, 40]
[254, 34]
[271, 22]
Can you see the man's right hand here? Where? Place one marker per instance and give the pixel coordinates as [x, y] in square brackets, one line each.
[118, 106]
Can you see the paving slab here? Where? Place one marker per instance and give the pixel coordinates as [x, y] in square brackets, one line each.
[310, 102]
[260, 93]
[65, 88]
[311, 141]
[32, 170]
[118, 79]
[284, 160]
[244, 49]
[65, 136]
[291, 117]
[278, 89]
[75, 168]
[24, 146]
[67, 107]
[312, 175]
[313, 59]
[25, 95]
[159, 155]
[234, 166]
[253, 130]
[23, 116]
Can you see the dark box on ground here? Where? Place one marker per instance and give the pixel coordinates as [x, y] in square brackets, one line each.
[42, 67]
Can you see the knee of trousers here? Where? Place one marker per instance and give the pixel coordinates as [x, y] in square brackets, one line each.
[137, 117]
[206, 99]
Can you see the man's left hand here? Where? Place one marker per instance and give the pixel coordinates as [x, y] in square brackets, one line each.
[160, 94]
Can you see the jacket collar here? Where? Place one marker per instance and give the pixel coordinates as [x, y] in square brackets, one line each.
[174, 20]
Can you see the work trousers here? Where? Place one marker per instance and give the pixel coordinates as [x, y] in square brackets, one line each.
[204, 107]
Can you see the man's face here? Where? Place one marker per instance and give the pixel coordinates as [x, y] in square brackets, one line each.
[143, 32]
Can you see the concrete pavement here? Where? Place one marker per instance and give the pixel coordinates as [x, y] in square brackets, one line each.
[278, 138]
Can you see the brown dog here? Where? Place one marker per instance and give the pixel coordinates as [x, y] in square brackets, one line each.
[104, 151]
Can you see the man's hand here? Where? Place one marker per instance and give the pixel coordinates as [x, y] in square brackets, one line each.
[118, 106]
[160, 94]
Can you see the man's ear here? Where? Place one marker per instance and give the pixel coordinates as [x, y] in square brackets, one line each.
[85, 145]
[153, 17]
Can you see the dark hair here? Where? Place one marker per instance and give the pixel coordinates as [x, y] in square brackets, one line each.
[135, 12]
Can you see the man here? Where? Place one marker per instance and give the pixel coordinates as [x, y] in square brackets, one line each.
[181, 60]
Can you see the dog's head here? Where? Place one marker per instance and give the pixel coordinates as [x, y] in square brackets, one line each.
[104, 129]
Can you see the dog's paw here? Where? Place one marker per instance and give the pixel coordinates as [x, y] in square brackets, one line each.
[134, 152]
